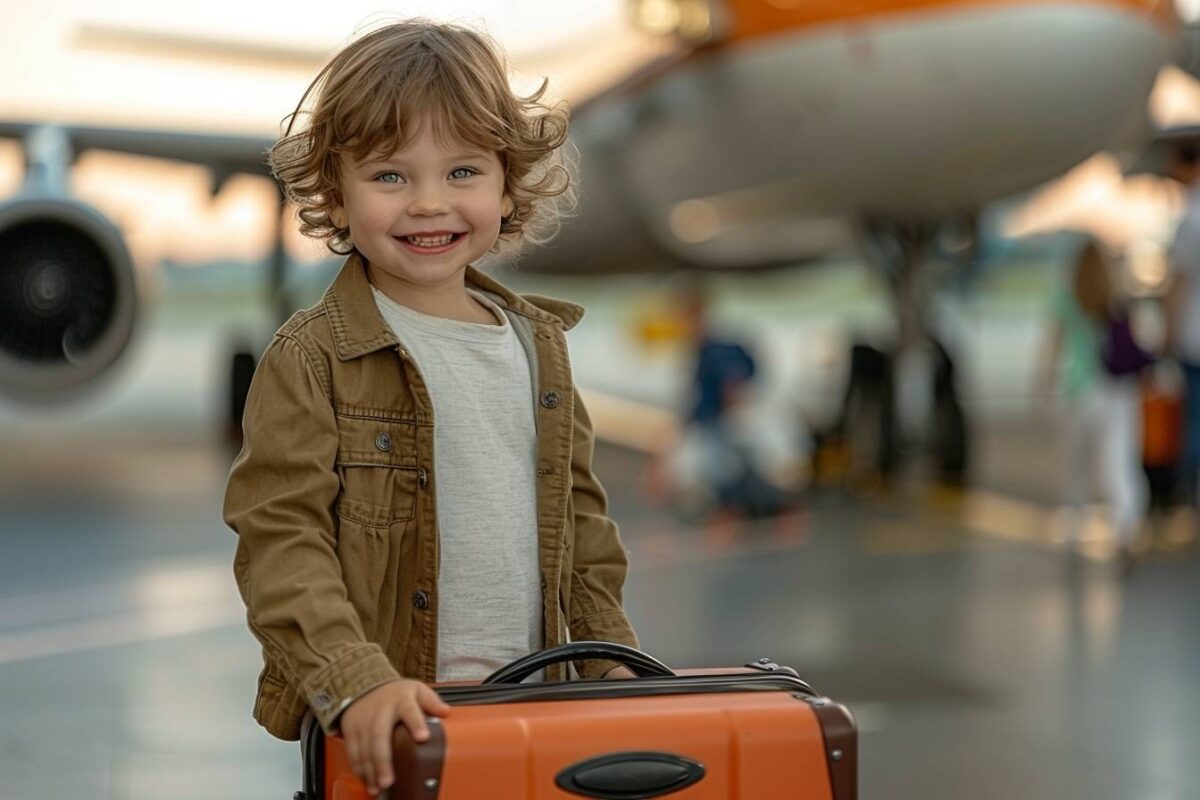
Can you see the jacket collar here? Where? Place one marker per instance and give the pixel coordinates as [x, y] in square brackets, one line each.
[358, 327]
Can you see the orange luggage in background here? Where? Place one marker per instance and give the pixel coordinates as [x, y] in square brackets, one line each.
[756, 733]
[1162, 424]
[1162, 433]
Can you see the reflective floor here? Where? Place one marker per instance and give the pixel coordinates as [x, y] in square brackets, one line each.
[982, 658]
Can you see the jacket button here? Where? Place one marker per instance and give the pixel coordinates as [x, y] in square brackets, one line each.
[422, 477]
[383, 442]
[420, 600]
[550, 399]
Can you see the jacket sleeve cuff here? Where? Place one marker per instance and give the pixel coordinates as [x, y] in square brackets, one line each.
[335, 686]
[612, 626]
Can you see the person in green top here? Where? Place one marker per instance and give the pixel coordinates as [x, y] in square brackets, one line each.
[1101, 419]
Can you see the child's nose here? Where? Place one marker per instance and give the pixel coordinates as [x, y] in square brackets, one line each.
[428, 201]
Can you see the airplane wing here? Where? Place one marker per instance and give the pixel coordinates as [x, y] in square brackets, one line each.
[224, 153]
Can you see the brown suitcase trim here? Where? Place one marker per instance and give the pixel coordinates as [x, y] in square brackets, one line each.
[841, 746]
[701, 682]
[418, 767]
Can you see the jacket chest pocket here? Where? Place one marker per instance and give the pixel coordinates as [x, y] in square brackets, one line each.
[377, 465]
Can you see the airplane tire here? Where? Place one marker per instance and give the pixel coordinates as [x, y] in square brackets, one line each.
[950, 442]
[868, 423]
[951, 435]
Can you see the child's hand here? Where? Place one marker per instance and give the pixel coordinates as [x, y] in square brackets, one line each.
[619, 673]
[367, 726]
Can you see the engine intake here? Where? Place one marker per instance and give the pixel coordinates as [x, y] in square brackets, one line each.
[68, 299]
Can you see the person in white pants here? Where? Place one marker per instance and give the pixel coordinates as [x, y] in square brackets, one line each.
[1102, 426]
[1102, 442]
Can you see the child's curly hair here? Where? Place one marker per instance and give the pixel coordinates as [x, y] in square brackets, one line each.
[373, 91]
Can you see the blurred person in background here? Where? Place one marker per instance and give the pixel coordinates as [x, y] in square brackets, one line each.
[718, 466]
[1183, 310]
[1091, 351]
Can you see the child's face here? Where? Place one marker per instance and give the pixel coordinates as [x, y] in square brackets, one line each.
[421, 214]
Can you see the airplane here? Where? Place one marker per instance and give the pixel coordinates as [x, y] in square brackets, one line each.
[769, 133]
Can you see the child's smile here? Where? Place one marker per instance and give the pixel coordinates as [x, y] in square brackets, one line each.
[421, 214]
[431, 243]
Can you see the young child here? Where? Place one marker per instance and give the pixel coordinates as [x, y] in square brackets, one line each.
[414, 499]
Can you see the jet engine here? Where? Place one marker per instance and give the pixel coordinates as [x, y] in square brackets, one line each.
[68, 298]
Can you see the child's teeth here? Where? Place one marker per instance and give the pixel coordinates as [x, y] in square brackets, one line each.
[424, 241]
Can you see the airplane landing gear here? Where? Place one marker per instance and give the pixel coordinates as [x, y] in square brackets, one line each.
[244, 360]
[902, 399]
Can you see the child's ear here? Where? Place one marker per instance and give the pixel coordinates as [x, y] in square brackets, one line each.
[337, 215]
[507, 207]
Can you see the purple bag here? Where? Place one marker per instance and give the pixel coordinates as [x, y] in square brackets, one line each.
[1122, 355]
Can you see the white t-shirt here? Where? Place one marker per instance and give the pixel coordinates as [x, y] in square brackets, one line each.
[1185, 259]
[485, 451]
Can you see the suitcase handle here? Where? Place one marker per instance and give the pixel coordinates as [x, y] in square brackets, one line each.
[643, 665]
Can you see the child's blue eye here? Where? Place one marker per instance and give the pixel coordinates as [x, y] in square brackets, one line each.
[458, 172]
[388, 177]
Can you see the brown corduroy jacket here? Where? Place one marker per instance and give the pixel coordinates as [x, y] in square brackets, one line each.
[333, 501]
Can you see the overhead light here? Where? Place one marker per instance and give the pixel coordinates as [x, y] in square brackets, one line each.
[694, 221]
[694, 21]
[657, 16]
[1189, 10]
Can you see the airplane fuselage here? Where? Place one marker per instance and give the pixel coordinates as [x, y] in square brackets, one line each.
[748, 152]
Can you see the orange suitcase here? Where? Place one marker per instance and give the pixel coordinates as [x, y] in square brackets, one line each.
[754, 732]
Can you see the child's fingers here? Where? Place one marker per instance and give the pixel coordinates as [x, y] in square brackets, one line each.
[413, 718]
[352, 754]
[359, 750]
[432, 702]
[381, 753]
